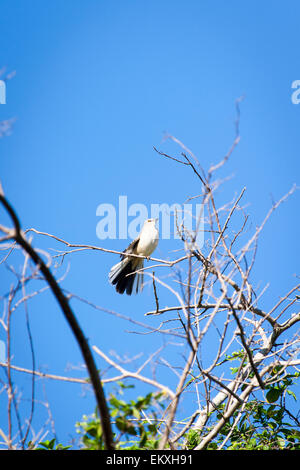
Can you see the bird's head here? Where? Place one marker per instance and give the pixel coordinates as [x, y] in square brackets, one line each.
[151, 221]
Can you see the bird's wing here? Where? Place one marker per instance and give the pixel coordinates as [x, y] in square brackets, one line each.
[131, 248]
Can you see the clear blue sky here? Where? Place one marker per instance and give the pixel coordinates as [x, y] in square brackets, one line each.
[97, 84]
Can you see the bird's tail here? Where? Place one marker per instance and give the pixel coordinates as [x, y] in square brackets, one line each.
[125, 277]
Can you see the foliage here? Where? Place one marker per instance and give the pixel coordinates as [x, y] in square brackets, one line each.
[135, 422]
[261, 425]
[49, 445]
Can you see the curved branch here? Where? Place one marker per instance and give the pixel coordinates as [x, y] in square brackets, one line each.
[18, 236]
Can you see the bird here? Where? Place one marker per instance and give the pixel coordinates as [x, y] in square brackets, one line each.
[124, 275]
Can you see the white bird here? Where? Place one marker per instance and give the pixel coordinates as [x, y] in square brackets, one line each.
[124, 274]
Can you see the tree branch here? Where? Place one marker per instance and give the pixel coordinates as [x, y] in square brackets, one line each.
[18, 236]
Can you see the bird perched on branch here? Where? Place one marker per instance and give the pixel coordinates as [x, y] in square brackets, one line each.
[124, 275]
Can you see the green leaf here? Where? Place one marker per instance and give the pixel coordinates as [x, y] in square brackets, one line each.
[123, 425]
[48, 444]
[152, 428]
[136, 413]
[273, 395]
[290, 392]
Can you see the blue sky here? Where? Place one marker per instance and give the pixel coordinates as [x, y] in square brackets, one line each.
[97, 85]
